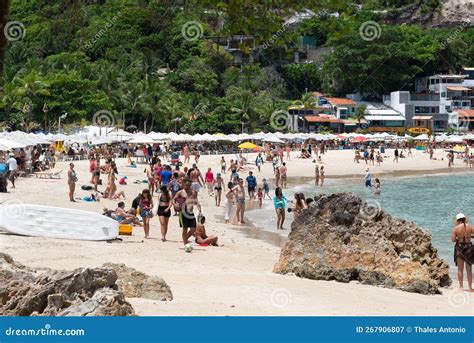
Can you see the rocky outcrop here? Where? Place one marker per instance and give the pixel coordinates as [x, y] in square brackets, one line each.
[45, 292]
[135, 284]
[450, 13]
[342, 238]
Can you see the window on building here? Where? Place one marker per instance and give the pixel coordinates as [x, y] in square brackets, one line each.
[443, 94]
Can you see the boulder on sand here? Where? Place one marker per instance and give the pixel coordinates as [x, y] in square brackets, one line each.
[341, 237]
[44, 292]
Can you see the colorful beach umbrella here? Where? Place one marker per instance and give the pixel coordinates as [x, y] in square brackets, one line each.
[247, 145]
[360, 139]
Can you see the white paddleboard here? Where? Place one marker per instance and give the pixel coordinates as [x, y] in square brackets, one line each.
[55, 222]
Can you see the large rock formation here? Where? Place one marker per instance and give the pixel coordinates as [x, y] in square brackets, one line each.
[45, 292]
[342, 238]
[135, 284]
[450, 13]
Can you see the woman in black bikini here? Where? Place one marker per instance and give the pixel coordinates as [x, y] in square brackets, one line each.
[146, 207]
[218, 182]
[463, 250]
[164, 211]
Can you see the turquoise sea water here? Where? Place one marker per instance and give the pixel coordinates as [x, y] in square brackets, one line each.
[430, 201]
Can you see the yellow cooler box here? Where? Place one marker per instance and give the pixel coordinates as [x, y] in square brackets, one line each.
[125, 229]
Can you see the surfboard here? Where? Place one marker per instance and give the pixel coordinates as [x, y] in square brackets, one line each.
[55, 222]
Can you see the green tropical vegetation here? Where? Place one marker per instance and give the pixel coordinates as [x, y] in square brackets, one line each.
[156, 64]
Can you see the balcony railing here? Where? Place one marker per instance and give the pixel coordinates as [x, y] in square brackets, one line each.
[424, 97]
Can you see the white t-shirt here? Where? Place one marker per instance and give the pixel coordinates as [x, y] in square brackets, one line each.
[12, 165]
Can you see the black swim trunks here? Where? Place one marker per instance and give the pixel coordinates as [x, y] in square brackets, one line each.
[187, 219]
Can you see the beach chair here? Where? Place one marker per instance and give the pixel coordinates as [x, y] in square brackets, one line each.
[52, 174]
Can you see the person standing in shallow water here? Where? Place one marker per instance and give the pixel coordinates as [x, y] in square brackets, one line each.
[463, 250]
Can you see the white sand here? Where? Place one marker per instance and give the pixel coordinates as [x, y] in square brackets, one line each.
[236, 279]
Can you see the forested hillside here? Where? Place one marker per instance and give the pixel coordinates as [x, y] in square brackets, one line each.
[156, 63]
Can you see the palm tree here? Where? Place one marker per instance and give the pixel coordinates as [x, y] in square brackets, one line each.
[307, 101]
[359, 114]
[3, 38]
[30, 87]
[246, 107]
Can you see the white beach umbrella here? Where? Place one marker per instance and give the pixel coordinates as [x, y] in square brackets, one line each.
[11, 144]
[423, 137]
[141, 138]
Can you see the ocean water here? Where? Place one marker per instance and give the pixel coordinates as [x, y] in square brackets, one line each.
[431, 201]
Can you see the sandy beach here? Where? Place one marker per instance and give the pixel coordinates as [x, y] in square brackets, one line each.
[235, 279]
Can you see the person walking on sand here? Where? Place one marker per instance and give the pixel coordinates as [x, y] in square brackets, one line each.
[71, 181]
[223, 165]
[146, 211]
[368, 178]
[321, 176]
[251, 185]
[283, 175]
[239, 191]
[12, 169]
[209, 179]
[288, 151]
[229, 195]
[186, 153]
[186, 199]
[164, 211]
[396, 155]
[463, 250]
[218, 185]
[96, 174]
[277, 177]
[259, 162]
[279, 202]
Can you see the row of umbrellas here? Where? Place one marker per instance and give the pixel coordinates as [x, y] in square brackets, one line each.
[19, 139]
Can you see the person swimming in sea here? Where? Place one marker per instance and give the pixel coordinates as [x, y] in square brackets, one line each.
[463, 250]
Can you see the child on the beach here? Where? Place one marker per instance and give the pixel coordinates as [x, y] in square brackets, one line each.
[201, 236]
[266, 189]
[260, 197]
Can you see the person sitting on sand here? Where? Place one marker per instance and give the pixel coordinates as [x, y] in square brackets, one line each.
[123, 217]
[201, 236]
[463, 250]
